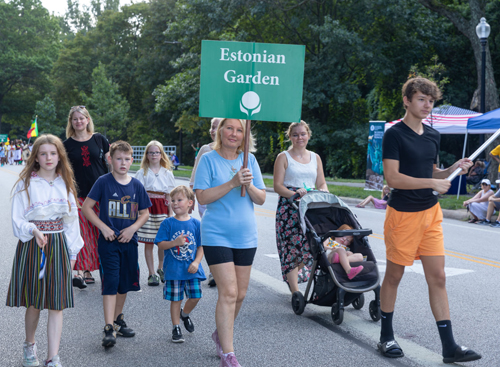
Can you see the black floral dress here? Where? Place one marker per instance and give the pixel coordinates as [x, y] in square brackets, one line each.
[293, 248]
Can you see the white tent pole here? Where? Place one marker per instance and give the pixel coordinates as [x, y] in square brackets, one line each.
[463, 156]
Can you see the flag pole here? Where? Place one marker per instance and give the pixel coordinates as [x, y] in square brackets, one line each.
[245, 152]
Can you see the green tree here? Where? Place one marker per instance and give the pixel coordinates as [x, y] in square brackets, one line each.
[47, 118]
[28, 47]
[465, 16]
[106, 105]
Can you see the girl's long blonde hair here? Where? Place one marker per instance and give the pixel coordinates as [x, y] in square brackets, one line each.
[165, 162]
[63, 167]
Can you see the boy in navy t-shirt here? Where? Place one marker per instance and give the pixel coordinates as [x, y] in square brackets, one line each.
[180, 237]
[123, 204]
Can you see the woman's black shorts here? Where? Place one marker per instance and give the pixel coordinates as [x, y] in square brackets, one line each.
[219, 255]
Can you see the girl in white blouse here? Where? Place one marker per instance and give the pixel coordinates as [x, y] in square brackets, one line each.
[45, 219]
[158, 180]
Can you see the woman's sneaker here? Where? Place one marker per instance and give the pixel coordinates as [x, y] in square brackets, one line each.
[229, 360]
[109, 338]
[215, 338]
[29, 355]
[121, 327]
[54, 362]
[153, 280]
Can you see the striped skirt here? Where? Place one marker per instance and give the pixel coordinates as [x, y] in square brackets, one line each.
[88, 258]
[157, 214]
[54, 291]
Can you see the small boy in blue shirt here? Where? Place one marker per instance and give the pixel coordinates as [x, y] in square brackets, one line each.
[123, 204]
[180, 237]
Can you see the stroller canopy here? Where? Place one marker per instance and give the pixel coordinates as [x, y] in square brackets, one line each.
[316, 200]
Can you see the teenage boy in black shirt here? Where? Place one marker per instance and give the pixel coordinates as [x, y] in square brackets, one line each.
[410, 151]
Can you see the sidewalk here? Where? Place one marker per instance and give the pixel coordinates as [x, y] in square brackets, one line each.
[459, 214]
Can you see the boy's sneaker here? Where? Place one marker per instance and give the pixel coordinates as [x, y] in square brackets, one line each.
[483, 222]
[229, 360]
[121, 327]
[177, 335]
[54, 362]
[109, 338]
[188, 324]
[495, 225]
[153, 280]
[211, 280]
[29, 355]
[161, 274]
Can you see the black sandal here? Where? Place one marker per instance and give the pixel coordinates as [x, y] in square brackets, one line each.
[79, 282]
[87, 276]
[462, 354]
[390, 349]
[473, 220]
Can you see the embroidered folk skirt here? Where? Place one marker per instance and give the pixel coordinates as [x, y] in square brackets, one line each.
[293, 248]
[54, 291]
[158, 212]
[88, 258]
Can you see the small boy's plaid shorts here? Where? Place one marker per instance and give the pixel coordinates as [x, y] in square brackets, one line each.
[174, 290]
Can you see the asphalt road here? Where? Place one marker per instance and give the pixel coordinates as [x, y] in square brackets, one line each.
[267, 332]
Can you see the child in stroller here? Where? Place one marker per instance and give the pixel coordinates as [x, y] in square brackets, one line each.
[338, 252]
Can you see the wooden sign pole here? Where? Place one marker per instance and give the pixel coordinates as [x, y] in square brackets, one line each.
[245, 152]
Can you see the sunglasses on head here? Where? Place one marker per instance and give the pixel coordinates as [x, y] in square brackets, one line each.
[77, 107]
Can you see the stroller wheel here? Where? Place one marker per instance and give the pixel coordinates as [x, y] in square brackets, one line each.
[359, 302]
[337, 315]
[298, 303]
[374, 310]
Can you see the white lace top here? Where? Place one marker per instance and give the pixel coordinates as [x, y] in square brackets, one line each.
[48, 201]
[164, 181]
[300, 174]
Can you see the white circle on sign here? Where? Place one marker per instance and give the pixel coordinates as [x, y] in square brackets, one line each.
[250, 100]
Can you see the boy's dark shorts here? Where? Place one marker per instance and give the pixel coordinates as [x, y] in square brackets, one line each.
[119, 266]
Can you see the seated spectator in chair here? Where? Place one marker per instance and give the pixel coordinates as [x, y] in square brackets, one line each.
[475, 173]
[377, 203]
[478, 205]
[493, 206]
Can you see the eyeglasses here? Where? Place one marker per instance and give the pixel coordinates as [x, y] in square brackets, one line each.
[484, 184]
[154, 153]
[77, 107]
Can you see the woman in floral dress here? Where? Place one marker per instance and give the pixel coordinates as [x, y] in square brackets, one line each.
[295, 170]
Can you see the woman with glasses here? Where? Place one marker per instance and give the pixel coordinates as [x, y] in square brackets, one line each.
[158, 180]
[478, 205]
[88, 153]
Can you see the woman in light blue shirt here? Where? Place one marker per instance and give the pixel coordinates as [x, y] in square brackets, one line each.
[228, 227]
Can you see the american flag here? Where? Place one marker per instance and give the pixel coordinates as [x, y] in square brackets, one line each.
[446, 119]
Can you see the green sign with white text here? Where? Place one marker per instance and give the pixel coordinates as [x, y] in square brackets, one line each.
[252, 81]
[3, 138]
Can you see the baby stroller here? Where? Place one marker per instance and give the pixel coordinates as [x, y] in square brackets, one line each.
[321, 214]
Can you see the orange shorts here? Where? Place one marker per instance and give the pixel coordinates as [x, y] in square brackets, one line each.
[409, 235]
